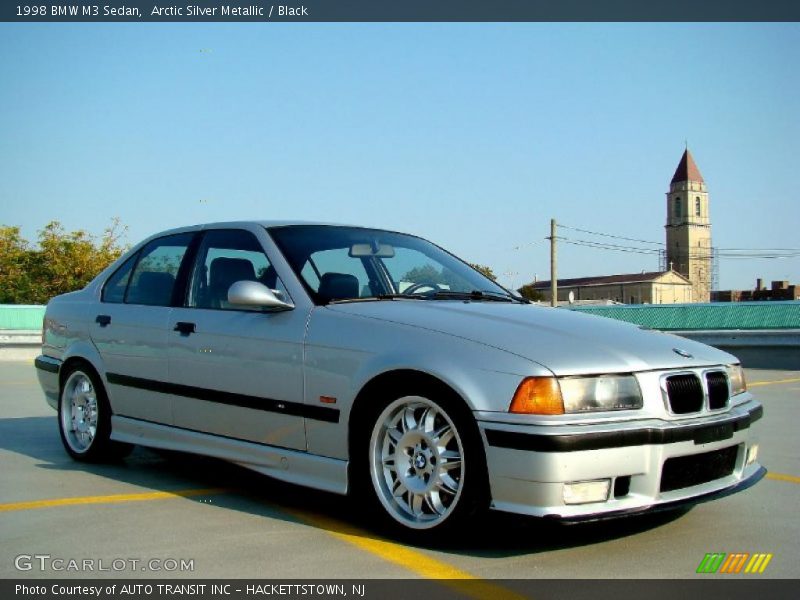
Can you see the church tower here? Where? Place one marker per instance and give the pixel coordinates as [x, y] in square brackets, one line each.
[688, 228]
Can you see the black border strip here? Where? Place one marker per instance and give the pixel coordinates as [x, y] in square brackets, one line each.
[317, 413]
[699, 434]
[45, 365]
[427, 11]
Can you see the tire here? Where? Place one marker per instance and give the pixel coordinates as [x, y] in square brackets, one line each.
[84, 418]
[426, 464]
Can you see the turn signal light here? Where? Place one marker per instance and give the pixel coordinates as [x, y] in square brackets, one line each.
[538, 396]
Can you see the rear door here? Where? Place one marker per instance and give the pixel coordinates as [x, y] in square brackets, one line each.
[235, 372]
[131, 327]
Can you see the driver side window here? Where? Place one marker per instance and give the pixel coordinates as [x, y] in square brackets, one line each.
[226, 256]
[329, 268]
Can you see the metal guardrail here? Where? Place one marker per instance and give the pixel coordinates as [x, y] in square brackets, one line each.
[758, 349]
[21, 317]
[756, 316]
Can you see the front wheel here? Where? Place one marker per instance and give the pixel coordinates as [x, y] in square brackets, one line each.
[84, 418]
[424, 464]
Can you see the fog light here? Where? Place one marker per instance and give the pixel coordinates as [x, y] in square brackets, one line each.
[752, 454]
[583, 492]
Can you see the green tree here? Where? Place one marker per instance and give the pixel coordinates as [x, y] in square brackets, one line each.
[62, 262]
[424, 274]
[14, 266]
[485, 270]
[531, 293]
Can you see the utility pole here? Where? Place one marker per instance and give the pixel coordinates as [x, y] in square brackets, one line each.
[553, 263]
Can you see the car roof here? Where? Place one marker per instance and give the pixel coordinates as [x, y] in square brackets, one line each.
[261, 223]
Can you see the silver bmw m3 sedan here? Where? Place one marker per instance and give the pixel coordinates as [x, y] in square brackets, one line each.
[374, 363]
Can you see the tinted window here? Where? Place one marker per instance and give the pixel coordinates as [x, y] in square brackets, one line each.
[153, 279]
[225, 257]
[411, 269]
[114, 290]
[336, 261]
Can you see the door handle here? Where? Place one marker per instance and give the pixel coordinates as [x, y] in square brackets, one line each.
[184, 327]
[103, 320]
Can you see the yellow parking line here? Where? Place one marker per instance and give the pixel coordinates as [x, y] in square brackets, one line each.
[413, 560]
[777, 381]
[782, 477]
[110, 499]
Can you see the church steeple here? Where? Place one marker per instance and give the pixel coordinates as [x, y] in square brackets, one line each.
[687, 170]
[688, 226]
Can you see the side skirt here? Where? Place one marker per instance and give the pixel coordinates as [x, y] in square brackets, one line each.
[310, 470]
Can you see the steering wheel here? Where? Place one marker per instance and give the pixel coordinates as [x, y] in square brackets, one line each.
[420, 286]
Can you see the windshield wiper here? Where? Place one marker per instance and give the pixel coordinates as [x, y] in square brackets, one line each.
[480, 295]
[474, 295]
[381, 297]
[400, 296]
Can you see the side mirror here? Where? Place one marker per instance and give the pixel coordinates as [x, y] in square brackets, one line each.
[255, 294]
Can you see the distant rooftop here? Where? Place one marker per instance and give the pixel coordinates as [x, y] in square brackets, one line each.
[645, 276]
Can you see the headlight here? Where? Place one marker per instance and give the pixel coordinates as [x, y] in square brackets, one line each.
[736, 377]
[607, 392]
[551, 396]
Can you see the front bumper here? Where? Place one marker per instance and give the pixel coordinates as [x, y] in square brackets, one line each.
[529, 465]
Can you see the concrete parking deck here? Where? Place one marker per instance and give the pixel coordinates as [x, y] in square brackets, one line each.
[231, 523]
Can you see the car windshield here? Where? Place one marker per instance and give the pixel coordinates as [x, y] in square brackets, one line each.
[349, 263]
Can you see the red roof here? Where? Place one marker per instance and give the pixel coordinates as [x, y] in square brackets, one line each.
[687, 170]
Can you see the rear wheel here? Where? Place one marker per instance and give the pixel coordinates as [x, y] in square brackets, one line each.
[84, 417]
[425, 464]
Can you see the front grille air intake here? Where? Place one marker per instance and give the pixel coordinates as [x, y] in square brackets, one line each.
[687, 471]
[685, 393]
[718, 392]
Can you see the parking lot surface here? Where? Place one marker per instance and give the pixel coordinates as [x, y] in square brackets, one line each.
[166, 515]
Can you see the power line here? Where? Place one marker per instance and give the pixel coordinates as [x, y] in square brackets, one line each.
[727, 253]
[618, 237]
[739, 254]
[602, 246]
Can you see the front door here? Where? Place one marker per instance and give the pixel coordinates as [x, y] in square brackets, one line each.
[234, 372]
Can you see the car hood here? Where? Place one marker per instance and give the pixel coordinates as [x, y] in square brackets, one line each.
[564, 341]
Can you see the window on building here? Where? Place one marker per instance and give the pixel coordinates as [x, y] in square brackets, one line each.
[697, 206]
[677, 207]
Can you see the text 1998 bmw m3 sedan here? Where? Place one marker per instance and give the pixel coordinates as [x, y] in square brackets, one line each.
[374, 363]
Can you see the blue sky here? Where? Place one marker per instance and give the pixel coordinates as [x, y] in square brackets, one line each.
[472, 135]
